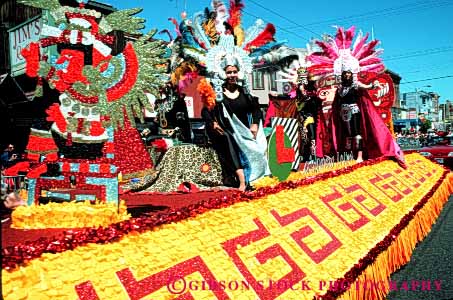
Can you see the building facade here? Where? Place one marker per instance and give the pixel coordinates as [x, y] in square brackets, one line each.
[446, 114]
[262, 82]
[417, 104]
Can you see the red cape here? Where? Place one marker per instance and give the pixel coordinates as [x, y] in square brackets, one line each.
[376, 138]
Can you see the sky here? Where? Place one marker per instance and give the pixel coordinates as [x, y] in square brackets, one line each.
[417, 36]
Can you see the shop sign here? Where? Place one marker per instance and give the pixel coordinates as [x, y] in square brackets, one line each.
[19, 38]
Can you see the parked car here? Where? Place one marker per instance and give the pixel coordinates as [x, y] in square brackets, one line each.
[439, 149]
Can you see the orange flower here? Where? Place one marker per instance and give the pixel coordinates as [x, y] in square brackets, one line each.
[205, 168]
[207, 93]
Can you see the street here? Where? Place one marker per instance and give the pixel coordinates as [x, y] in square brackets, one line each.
[431, 260]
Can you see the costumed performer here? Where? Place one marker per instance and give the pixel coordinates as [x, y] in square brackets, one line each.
[216, 37]
[308, 106]
[355, 122]
[172, 114]
[304, 101]
[245, 108]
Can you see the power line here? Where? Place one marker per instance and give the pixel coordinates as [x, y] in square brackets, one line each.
[386, 15]
[428, 68]
[283, 17]
[421, 4]
[427, 79]
[411, 7]
[419, 53]
[278, 27]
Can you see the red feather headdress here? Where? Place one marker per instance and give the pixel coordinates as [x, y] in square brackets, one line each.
[266, 36]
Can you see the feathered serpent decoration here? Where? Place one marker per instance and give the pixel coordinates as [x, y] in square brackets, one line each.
[44, 4]
[235, 12]
[199, 31]
[221, 15]
[113, 84]
[124, 20]
[266, 49]
[168, 33]
[266, 36]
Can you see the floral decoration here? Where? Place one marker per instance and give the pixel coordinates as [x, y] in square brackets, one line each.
[205, 168]
[69, 215]
[127, 259]
[207, 93]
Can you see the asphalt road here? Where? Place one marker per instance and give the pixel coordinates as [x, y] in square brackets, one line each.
[431, 262]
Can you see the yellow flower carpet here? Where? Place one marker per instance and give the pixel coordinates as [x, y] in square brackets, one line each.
[69, 215]
[339, 237]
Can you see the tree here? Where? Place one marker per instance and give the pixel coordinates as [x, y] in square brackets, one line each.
[425, 126]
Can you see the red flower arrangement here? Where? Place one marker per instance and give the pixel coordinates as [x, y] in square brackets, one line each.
[32, 57]
[54, 115]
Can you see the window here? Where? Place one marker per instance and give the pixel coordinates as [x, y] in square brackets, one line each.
[257, 80]
[272, 82]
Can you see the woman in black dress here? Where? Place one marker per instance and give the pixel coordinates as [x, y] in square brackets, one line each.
[246, 109]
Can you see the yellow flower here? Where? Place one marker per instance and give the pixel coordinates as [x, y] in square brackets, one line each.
[306, 225]
[68, 215]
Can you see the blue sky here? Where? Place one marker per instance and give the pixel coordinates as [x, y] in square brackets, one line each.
[417, 36]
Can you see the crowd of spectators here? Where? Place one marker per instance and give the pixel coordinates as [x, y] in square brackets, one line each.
[413, 139]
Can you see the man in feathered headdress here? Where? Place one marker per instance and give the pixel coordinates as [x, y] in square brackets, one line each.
[346, 104]
[302, 103]
[356, 126]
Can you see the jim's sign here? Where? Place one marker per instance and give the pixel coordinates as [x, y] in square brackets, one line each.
[19, 37]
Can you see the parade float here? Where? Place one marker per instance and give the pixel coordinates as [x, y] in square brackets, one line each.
[101, 90]
[337, 231]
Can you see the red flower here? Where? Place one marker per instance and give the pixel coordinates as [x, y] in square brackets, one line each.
[160, 145]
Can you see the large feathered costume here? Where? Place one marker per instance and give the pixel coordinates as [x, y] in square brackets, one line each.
[215, 38]
[337, 55]
[340, 54]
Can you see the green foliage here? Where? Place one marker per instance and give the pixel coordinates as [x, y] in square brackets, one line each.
[44, 4]
[123, 20]
[426, 125]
